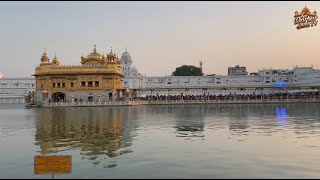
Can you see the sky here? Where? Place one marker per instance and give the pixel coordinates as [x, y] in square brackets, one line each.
[160, 36]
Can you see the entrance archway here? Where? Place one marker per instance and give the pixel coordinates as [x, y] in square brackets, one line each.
[58, 96]
[90, 98]
[110, 96]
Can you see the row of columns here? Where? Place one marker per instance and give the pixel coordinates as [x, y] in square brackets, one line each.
[45, 96]
[12, 100]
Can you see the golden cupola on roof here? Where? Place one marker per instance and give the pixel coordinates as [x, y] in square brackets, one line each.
[111, 54]
[93, 57]
[55, 60]
[104, 58]
[45, 57]
[112, 57]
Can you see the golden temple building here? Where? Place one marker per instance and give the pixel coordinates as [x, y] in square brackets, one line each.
[97, 78]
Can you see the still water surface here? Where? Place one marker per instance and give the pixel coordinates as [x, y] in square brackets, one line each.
[165, 141]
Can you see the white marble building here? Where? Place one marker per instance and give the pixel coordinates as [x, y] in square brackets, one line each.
[264, 81]
[13, 89]
[16, 86]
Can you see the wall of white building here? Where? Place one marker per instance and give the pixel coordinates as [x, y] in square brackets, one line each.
[16, 86]
[298, 76]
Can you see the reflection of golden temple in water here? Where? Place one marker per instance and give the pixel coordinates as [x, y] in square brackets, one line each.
[96, 132]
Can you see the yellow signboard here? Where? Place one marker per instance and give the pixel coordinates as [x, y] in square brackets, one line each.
[52, 164]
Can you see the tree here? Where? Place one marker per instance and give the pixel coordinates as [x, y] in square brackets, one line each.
[187, 70]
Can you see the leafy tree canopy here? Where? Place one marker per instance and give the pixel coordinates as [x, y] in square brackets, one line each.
[187, 70]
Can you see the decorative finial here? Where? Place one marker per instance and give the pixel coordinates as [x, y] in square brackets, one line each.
[95, 48]
[55, 55]
[126, 50]
[111, 49]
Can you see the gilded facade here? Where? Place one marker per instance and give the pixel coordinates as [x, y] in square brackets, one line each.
[97, 78]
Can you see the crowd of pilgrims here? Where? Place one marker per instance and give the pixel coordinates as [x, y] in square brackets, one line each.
[309, 95]
[237, 97]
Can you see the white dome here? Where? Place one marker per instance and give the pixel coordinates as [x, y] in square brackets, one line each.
[134, 69]
[125, 56]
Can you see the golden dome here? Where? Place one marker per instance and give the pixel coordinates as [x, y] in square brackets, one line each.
[55, 60]
[94, 54]
[93, 58]
[45, 54]
[45, 57]
[111, 54]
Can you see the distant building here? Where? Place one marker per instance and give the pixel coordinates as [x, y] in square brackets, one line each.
[11, 87]
[127, 69]
[237, 71]
[14, 89]
[1, 75]
[98, 78]
[237, 81]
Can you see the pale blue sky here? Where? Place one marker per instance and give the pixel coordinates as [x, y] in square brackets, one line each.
[160, 36]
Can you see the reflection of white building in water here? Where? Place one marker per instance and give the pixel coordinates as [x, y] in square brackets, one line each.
[238, 81]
